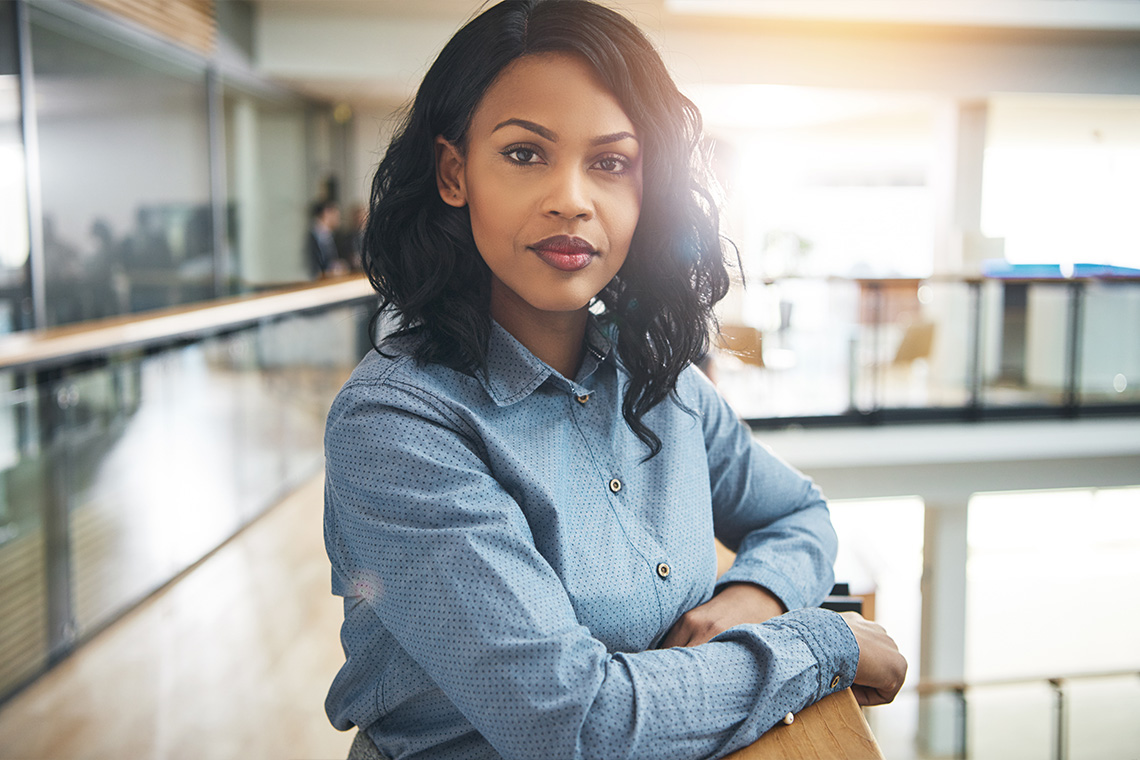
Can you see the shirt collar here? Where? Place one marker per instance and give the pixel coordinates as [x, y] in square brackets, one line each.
[513, 372]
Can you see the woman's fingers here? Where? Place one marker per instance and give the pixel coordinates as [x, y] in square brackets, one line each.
[878, 676]
[882, 669]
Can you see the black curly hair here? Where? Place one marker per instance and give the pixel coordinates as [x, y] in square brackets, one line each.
[419, 252]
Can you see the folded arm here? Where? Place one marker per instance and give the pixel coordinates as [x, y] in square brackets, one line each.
[460, 585]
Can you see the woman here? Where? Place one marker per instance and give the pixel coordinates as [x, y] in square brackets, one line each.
[524, 482]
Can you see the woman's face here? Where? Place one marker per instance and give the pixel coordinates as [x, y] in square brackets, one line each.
[551, 174]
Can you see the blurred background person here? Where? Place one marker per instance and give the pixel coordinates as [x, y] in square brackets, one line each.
[321, 244]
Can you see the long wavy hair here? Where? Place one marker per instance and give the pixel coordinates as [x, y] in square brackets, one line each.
[419, 252]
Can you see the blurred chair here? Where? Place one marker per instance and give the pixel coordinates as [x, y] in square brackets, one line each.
[917, 340]
[743, 342]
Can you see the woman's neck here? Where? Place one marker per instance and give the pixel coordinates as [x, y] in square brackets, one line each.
[556, 338]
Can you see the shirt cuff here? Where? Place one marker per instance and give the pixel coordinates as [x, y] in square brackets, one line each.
[830, 640]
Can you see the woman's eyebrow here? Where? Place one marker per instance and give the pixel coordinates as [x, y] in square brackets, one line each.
[613, 138]
[547, 134]
[538, 129]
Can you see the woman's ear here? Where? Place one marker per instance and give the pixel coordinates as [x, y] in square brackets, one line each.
[449, 173]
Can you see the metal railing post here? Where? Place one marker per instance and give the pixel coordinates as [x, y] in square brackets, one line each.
[1074, 309]
[963, 735]
[1060, 746]
[974, 362]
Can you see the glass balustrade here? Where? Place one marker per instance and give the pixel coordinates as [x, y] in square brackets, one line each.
[832, 350]
[118, 474]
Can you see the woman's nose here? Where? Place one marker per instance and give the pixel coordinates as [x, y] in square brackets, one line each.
[568, 195]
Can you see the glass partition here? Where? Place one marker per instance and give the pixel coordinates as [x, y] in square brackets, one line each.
[1110, 343]
[814, 350]
[117, 475]
[15, 291]
[124, 172]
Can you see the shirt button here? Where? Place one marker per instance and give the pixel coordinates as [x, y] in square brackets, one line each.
[663, 570]
[834, 682]
[789, 719]
[583, 398]
[615, 485]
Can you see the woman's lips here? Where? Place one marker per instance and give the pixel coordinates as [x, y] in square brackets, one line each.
[566, 253]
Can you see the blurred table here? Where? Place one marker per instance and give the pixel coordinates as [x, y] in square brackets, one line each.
[832, 729]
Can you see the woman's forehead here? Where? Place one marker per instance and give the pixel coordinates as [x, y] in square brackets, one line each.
[559, 91]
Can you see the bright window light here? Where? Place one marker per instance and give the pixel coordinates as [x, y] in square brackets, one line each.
[1062, 180]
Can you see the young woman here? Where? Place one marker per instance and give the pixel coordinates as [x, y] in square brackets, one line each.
[524, 481]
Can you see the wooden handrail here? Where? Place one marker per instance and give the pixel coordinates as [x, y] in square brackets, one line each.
[832, 728]
[59, 346]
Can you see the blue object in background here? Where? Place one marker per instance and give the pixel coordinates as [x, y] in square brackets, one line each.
[1000, 268]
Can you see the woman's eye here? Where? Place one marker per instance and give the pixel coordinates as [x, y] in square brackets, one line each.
[521, 155]
[613, 164]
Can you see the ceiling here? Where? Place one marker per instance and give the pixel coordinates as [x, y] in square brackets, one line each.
[372, 53]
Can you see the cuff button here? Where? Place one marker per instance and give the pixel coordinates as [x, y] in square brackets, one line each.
[834, 682]
[789, 719]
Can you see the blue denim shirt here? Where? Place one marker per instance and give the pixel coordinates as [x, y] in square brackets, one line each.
[509, 563]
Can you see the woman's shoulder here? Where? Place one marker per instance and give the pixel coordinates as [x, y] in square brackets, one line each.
[392, 381]
[695, 389]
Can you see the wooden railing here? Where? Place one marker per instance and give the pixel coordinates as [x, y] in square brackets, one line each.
[59, 346]
[832, 728]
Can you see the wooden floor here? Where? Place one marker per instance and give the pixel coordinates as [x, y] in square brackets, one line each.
[231, 661]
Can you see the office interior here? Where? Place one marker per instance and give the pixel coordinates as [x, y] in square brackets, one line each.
[937, 317]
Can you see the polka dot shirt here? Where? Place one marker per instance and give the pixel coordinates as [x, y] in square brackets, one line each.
[510, 564]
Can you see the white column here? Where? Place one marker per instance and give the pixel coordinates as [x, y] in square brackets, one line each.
[959, 246]
[246, 184]
[956, 179]
[943, 646]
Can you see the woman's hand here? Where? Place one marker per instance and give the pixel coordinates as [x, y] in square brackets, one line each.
[733, 605]
[881, 669]
[878, 676]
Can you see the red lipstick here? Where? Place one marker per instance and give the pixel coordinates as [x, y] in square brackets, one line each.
[565, 252]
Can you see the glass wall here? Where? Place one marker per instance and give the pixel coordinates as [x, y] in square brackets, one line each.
[124, 174]
[23, 585]
[118, 475]
[15, 293]
[163, 178]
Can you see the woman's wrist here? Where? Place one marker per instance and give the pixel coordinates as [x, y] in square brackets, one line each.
[760, 602]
